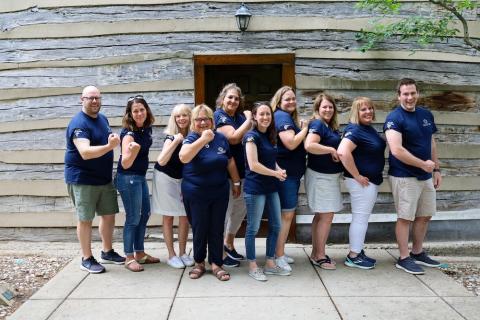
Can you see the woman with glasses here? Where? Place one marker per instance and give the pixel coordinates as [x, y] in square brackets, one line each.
[205, 188]
[261, 176]
[233, 122]
[292, 157]
[136, 139]
[167, 194]
[322, 178]
[362, 152]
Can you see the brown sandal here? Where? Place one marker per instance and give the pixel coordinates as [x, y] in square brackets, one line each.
[133, 266]
[148, 259]
[221, 274]
[197, 272]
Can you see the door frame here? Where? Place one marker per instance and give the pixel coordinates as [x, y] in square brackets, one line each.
[287, 60]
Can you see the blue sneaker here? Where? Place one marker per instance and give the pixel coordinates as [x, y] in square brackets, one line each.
[233, 254]
[359, 262]
[91, 265]
[365, 257]
[423, 259]
[111, 257]
[230, 263]
[408, 265]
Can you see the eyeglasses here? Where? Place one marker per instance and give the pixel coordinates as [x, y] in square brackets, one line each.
[92, 98]
[200, 120]
[135, 97]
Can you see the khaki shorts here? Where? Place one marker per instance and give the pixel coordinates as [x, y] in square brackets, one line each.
[413, 198]
[89, 199]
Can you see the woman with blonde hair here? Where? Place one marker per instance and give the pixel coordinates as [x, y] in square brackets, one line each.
[233, 122]
[167, 177]
[323, 174]
[291, 157]
[207, 163]
[362, 152]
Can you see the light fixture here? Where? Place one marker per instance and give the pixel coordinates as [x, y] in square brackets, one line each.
[243, 17]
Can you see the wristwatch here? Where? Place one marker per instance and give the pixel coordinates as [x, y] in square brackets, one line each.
[436, 170]
[237, 184]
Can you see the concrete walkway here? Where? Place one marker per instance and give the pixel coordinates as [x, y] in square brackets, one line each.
[161, 292]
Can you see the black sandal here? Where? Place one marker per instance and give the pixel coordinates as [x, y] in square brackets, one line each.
[325, 263]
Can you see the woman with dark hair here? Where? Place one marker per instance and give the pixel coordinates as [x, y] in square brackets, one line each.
[362, 152]
[322, 178]
[261, 176]
[292, 157]
[207, 164]
[233, 123]
[136, 139]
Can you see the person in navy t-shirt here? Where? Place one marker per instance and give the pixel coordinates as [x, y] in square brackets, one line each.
[167, 198]
[233, 122]
[88, 174]
[136, 139]
[262, 174]
[413, 158]
[322, 177]
[291, 157]
[205, 188]
[362, 152]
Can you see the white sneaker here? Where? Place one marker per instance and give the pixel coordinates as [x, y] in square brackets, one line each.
[175, 262]
[257, 274]
[289, 259]
[282, 263]
[187, 260]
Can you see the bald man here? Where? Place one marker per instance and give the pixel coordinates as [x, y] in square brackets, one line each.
[88, 174]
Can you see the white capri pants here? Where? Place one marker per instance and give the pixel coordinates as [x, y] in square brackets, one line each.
[362, 200]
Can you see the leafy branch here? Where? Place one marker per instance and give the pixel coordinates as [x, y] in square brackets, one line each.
[424, 30]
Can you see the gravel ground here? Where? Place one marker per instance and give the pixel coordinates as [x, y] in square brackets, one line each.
[28, 269]
[25, 275]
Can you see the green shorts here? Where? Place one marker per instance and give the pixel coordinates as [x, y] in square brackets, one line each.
[89, 199]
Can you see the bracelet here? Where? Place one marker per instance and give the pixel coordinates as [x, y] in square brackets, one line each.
[237, 184]
[436, 170]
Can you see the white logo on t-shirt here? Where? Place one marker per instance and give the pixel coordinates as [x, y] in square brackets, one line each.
[220, 150]
[426, 123]
[390, 124]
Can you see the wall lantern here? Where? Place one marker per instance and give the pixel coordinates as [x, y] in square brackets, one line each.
[243, 17]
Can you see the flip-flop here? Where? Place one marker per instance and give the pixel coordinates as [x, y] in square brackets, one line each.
[133, 268]
[326, 263]
[221, 274]
[197, 272]
[148, 259]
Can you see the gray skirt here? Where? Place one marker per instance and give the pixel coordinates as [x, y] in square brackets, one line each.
[323, 191]
[167, 195]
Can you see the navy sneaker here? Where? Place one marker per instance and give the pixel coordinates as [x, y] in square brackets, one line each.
[91, 265]
[233, 254]
[365, 257]
[408, 265]
[111, 257]
[359, 262]
[423, 259]
[230, 263]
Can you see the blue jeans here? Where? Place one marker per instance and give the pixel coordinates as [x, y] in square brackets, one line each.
[136, 201]
[256, 203]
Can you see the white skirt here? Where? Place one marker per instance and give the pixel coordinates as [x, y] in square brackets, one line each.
[167, 195]
[323, 191]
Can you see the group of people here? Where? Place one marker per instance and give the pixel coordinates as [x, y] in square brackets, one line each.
[216, 167]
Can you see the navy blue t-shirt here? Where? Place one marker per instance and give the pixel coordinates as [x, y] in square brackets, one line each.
[417, 128]
[96, 171]
[223, 119]
[266, 152]
[324, 163]
[369, 155]
[207, 171]
[293, 161]
[174, 166]
[140, 165]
